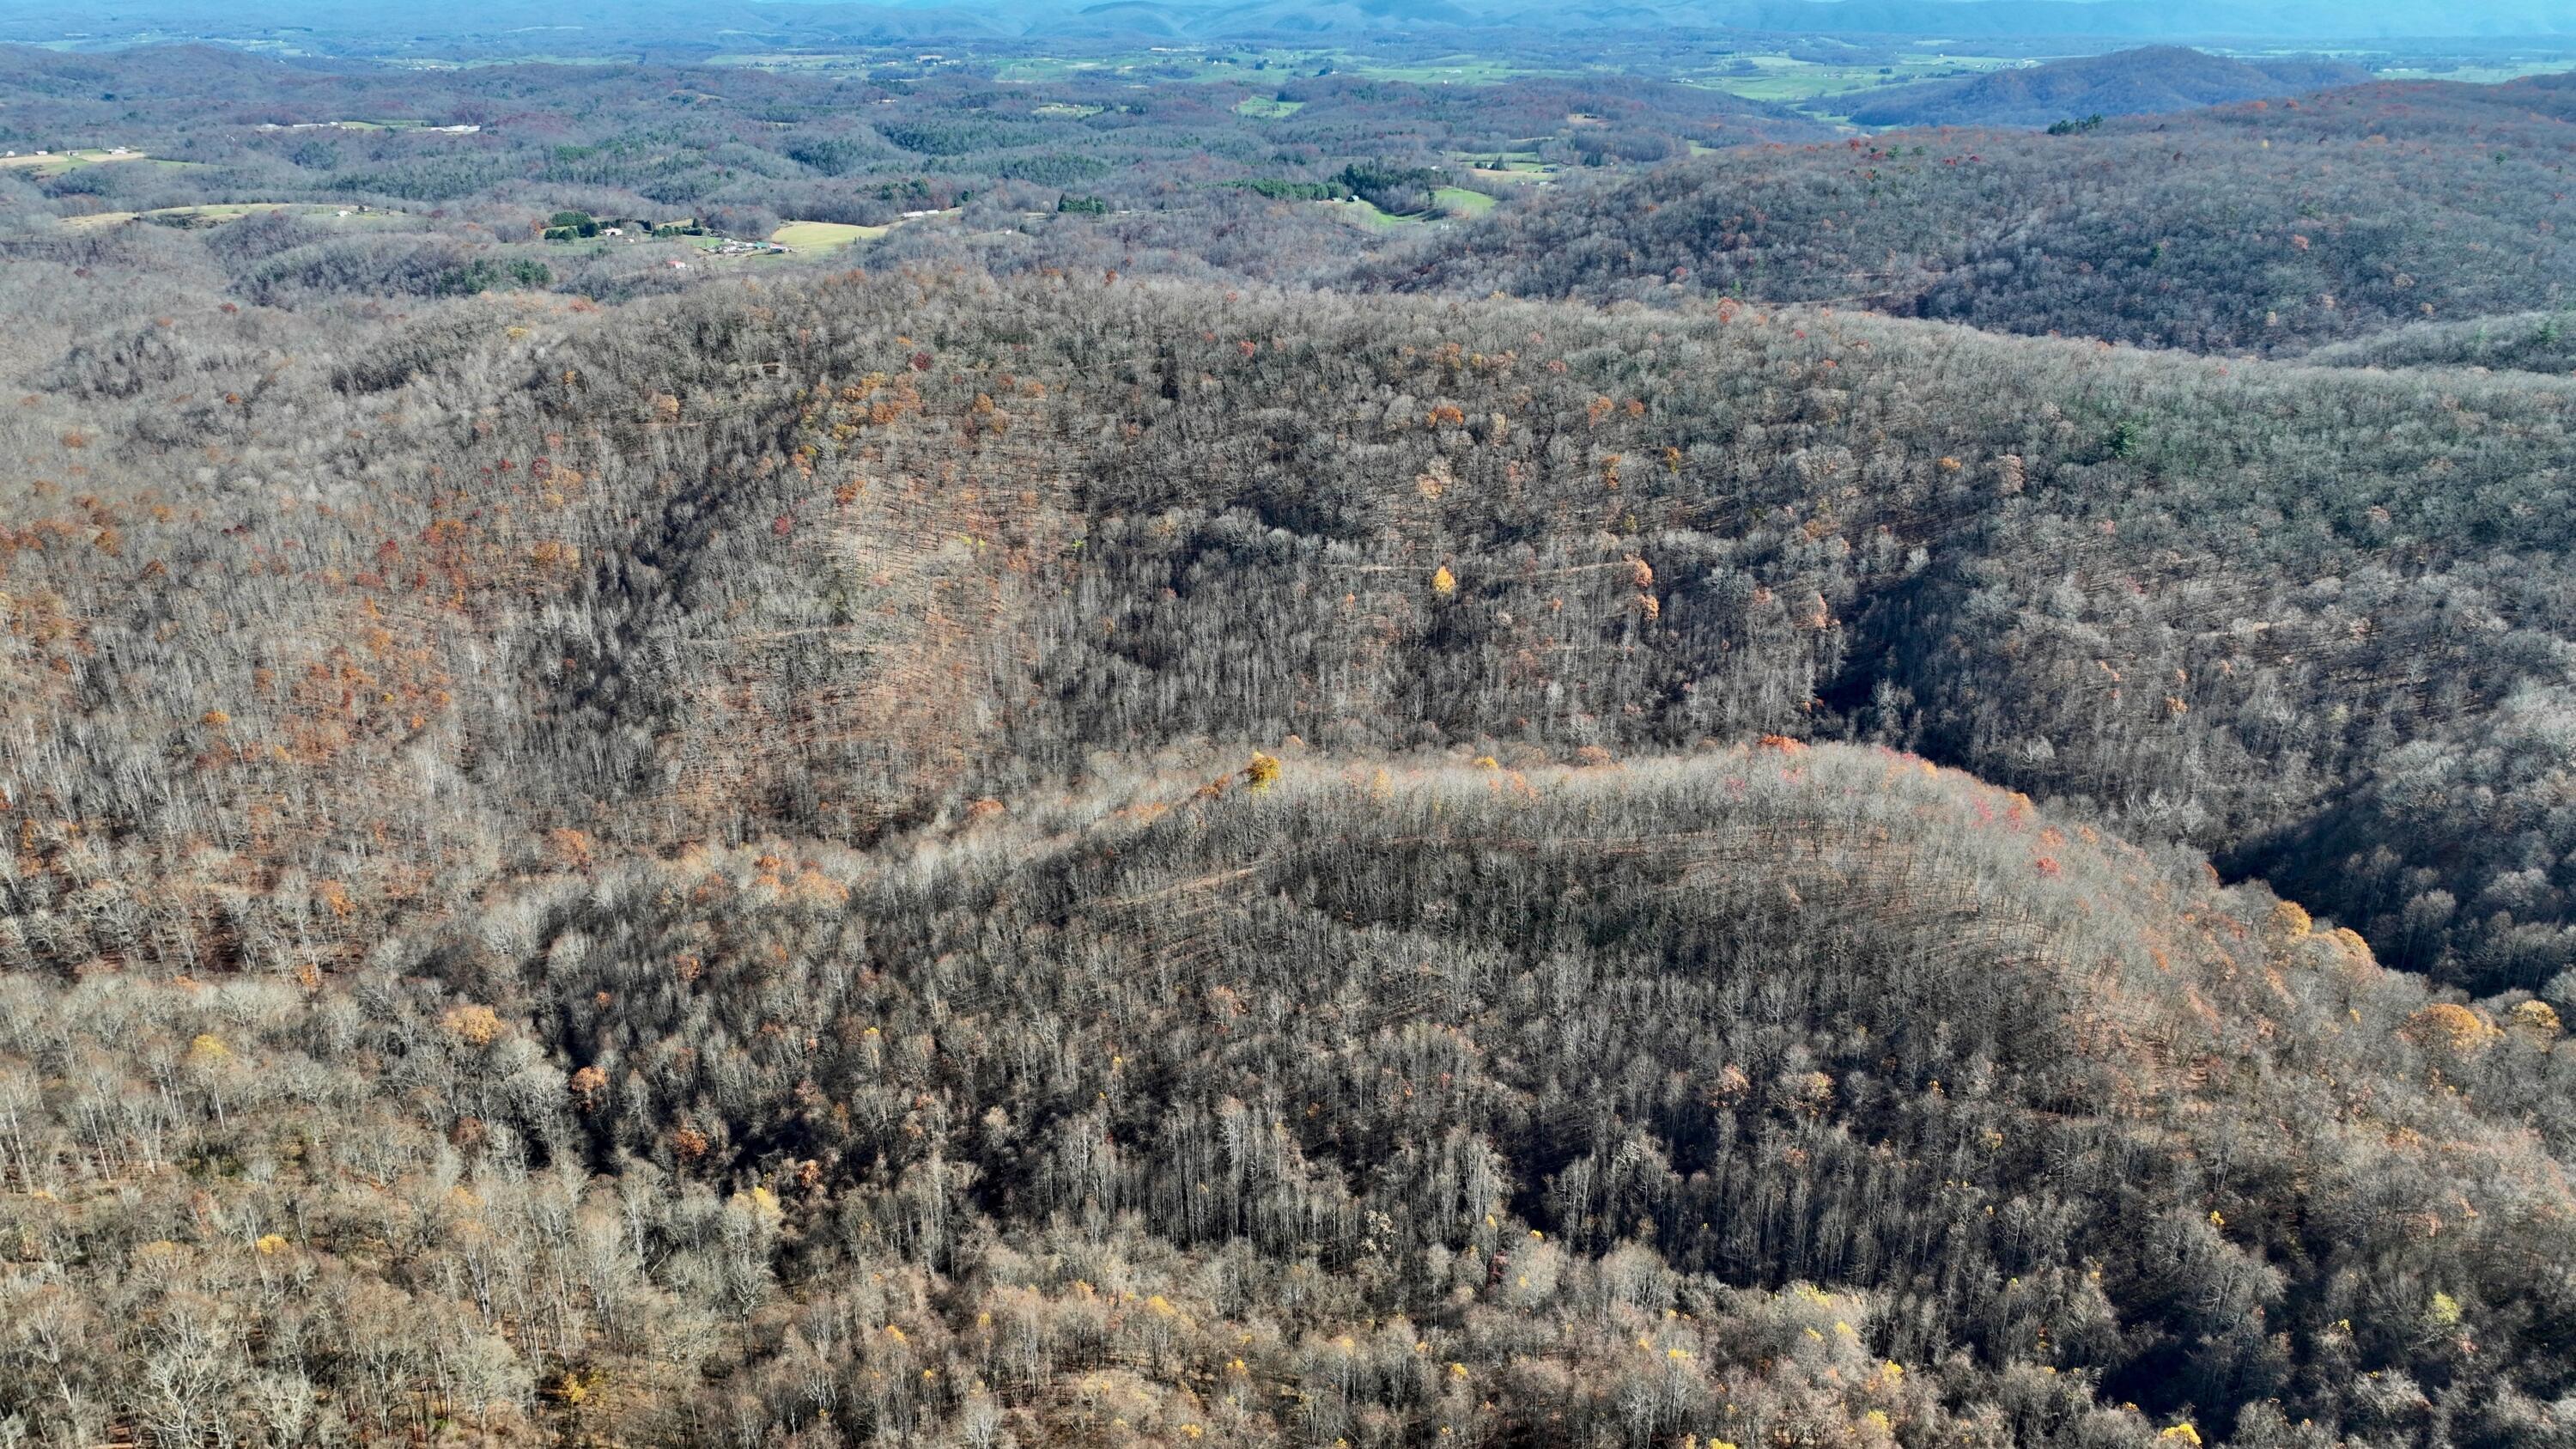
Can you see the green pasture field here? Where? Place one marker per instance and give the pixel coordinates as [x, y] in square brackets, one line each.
[216, 213]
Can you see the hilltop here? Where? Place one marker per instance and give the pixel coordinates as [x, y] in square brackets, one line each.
[1330, 1096]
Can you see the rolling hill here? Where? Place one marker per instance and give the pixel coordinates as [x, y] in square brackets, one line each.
[2124, 83]
[1745, 1092]
[2250, 228]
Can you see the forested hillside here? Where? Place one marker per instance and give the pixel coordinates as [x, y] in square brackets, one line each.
[1379, 1103]
[632, 839]
[2207, 599]
[2263, 228]
[2149, 81]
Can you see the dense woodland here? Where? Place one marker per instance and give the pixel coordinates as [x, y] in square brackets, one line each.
[1045, 831]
